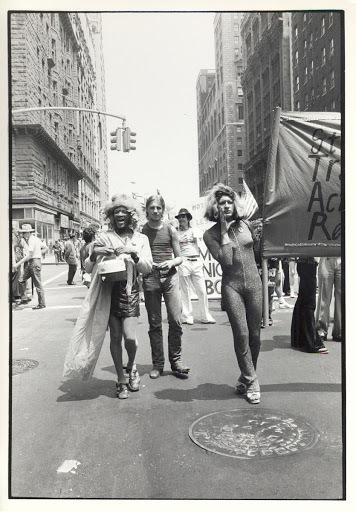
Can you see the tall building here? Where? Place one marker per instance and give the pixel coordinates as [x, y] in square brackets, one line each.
[266, 82]
[316, 50]
[220, 109]
[59, 157]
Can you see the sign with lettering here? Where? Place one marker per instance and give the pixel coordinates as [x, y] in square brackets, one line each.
[64, 221]
[303, 203]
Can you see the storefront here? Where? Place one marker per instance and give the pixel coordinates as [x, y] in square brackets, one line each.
[41, 219]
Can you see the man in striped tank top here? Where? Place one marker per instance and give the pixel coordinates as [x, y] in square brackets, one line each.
[163, 281]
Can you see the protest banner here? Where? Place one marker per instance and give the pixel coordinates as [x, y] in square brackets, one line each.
[302, 203]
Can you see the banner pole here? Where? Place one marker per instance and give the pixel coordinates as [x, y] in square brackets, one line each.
[265, 312]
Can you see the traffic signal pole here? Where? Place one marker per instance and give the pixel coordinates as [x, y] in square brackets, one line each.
[78, 109]
[119, 141]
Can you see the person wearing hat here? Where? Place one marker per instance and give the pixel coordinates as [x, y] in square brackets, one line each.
[70, 255]
[34, 258]
[191, 272]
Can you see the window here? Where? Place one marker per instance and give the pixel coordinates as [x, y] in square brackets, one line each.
[240, 112]
[311, 68]
[305, 74]
[331, 18]
[324, 85]
[304, 18]
[312, 94]
[305, 47]
[323, 57]
[331, 47]
[236, 16]
[239, 152]
[297, 105]
[236, 40]
[240, 91]
[296, 57]
[310, 39]
[239, 140]
[333, 106]
[54, 49]
[296, 32]
[236, 27]
[296, 83]
[239, 167]
[322, 26]
[332, 79]
[306, 101]
[238, 129]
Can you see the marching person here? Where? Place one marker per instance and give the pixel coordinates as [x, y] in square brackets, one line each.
[191, 272]
[116, 303]
[70, 256]
[304, 335]
[230, 241]
[329, 273]
[85, 251]
[35, 249]
[163, 281]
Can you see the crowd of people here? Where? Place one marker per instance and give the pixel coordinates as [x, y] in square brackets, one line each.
[168, 263]
[165, 261]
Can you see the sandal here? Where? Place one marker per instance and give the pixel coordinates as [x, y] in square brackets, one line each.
[253, 397]
[240, 388]
[122, 391]
[134, 380]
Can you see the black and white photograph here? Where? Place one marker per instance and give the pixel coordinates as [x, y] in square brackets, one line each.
[176, 257]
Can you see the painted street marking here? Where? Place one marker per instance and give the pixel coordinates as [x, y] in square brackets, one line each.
[51, 307]
[65, 287]
[68, 465]
[54, 278]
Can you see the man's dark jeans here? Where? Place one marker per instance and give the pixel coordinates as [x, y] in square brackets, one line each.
[33, 269]
[71, 273]
[154, 287]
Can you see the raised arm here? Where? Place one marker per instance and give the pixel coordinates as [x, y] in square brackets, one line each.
[221, 250]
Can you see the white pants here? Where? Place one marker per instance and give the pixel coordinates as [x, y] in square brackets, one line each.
[329, 279]
[191, 277]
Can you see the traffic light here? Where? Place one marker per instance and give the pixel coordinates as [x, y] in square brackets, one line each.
[127, 140]
[116, 141]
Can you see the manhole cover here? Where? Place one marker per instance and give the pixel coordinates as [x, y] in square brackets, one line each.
[23, 365]
[248, 434]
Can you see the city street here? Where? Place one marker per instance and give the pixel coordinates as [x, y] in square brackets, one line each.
[140, 447]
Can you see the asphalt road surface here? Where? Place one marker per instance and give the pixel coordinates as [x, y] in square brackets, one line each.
[77, 440]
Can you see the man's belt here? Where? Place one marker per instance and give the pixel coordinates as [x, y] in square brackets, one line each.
[191, 259]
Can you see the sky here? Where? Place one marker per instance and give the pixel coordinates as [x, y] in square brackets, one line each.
[152, 62]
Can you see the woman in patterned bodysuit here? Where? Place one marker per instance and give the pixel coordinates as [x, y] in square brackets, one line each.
[230, 242]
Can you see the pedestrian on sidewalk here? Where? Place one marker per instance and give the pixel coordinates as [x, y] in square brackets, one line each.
[112, 301]
[163, 281]
[71, 257]
[191, 272]
[231, 242]
[304, 336]
[329, 273]
[34, 258]
[57, 250]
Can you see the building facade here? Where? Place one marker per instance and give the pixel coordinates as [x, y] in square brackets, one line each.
[58, 156]
[220, 110]
[267, 83]
[316, 51]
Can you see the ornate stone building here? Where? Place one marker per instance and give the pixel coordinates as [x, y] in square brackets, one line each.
[59, 157]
